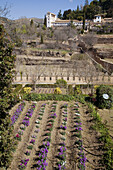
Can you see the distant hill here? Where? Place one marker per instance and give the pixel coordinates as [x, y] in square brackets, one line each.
[36, 20]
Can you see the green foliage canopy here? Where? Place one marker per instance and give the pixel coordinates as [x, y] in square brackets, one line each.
[101, 102]
[6, 97]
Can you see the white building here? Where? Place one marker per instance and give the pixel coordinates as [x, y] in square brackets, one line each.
[97, 18]
[52, 20]
[50, 17]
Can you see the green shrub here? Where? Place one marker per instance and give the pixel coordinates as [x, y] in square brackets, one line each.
[61, 83]
[43, 97]
[70, 90]
[101, 102]
[18, 87]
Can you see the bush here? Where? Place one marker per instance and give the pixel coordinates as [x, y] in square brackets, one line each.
[44, 97]
[57, 91]
[18, 87]
[61, 83]
[101, 101]
[70, 90]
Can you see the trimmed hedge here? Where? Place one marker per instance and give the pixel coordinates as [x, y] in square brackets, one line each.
[43, 97]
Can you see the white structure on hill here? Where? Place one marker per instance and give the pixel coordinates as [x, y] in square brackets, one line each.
[52, 20]
[97, 18]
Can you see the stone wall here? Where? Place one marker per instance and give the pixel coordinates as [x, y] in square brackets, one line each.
[103, 79]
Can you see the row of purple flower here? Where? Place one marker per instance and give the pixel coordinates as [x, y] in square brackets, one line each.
[25, 161]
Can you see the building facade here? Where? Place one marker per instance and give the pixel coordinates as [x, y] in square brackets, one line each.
[53, 21]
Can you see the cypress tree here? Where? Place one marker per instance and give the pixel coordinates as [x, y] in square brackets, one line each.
[6, 98]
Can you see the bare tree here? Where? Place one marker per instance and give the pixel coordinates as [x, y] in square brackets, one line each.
[5, 10]
[90, 39]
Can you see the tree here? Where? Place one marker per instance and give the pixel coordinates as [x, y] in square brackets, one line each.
[4, 10]
[6, 98]
[61, 83]
[59, 15]
[41, 39]
[31, 22]
[45, 21]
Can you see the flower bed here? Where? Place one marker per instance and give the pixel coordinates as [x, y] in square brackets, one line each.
[42, 156]
[62, 148]
[78, 142]
[25, 122]
[17, 113]
[33, 136]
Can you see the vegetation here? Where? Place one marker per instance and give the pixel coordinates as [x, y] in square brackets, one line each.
[95, 7]
[57, 91]
[61, 83]
[104, 137]
[6, 98]
[103, 102]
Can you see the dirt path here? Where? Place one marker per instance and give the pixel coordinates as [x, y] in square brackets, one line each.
[91, 144]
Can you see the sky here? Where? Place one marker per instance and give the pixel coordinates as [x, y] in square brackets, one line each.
[38, 8]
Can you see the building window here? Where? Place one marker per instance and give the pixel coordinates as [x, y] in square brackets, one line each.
[44, 78]
[74, 78]
[38, 77]
[50, 78]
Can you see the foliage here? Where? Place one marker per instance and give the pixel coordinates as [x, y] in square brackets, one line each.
[6, 98]
[70, 90]
[41, 39]
[59, 15]
[95, 7]
[61, 83]
[77, 89]
[27, 90]
[31, 22]
[57, 91]
[44, 27]
[101, 102]
[18, 88]
[44, 97]
[104, 137]
[45, 21]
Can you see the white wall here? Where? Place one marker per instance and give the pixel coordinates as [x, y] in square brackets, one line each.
[50, 18]
[97, 19]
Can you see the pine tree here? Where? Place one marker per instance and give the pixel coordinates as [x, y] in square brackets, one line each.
[59, 15]
[45, 21]
[31, 22]
[6, 98]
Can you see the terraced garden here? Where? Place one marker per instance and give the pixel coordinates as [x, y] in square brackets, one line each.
[54, 135]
